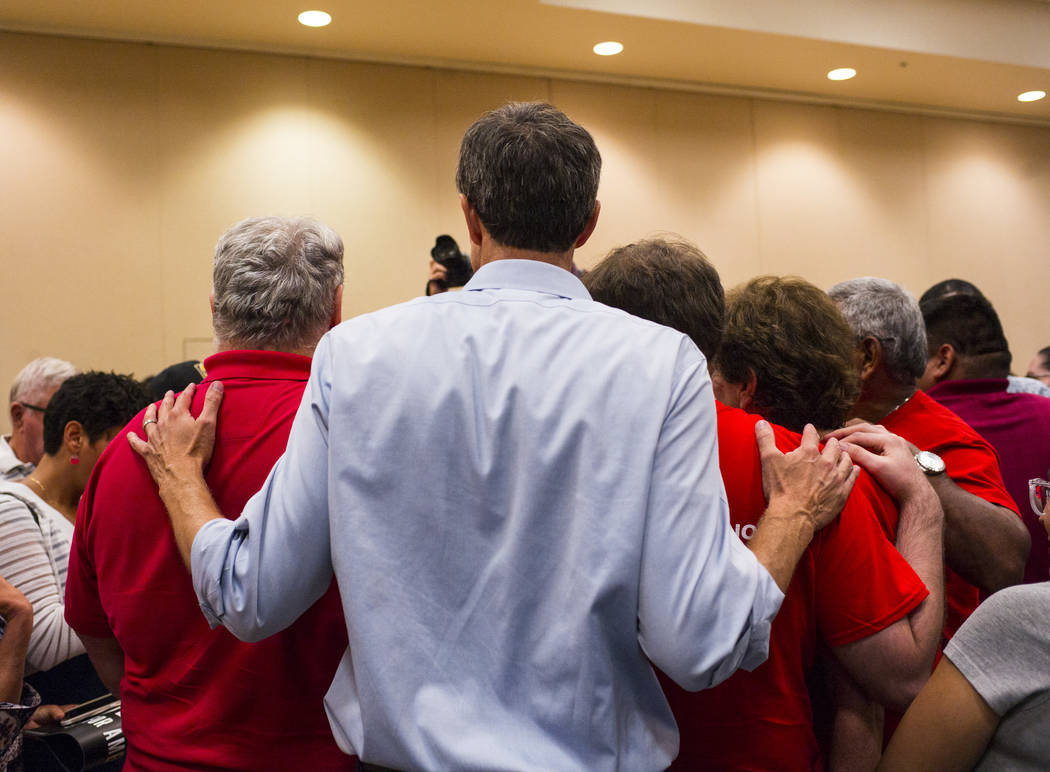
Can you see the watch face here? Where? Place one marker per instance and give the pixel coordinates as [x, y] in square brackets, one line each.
[931, 463]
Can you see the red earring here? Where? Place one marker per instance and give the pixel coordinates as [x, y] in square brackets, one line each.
[74, 460]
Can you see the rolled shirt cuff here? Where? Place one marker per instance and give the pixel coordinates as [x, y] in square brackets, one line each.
[208, 565]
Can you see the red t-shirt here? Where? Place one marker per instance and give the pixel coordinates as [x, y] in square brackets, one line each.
[192, 697]
[971, 463]
[850, 583]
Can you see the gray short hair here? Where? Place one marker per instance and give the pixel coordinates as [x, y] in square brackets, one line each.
[531, 175]
[275, 280]
[40, 375]
[885, 310]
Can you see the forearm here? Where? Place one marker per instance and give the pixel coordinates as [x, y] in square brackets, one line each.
[857, 727]
[920, 540]
[13, 647]
[987, 545]
[108, 660]
[780, 539]
[189, 503]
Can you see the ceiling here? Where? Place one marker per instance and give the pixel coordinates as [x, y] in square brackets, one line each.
[957, 56]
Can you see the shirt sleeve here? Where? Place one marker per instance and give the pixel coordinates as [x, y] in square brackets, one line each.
[257, 574]
[24, 562]
[705, 602]
[1002, 648]
[863, 584]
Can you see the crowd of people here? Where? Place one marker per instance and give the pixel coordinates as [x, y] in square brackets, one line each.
[558, 520]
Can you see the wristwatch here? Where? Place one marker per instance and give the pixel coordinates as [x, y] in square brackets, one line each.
[930, 463]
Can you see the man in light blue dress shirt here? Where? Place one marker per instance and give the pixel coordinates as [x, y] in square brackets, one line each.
[517, 490]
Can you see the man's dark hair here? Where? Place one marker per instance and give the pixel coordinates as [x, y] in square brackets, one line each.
[950, 287]
[800, 347]
[98, 401]
[531, 175]
[174, 377]
[1044, 356]
[971, 325]
[668, 282]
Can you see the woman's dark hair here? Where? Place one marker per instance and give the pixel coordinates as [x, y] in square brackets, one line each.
[98, 401]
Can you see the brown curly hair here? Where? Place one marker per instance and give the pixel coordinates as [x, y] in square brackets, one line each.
[800, 347]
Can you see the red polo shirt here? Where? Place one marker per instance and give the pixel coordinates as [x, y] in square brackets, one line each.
[971, 463]
[192, 697]
[1018, 427]
[850, 583]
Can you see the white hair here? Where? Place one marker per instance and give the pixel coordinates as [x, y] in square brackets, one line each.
[40, 375]
[275, 280]
[885, 310]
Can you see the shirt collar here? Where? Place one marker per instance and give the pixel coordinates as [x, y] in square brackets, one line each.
[9, 462]
[533, 275]
[969, 386]
[271, 365]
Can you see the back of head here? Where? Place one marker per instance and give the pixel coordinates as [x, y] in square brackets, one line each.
[970, 324]
[882, 309]
[668, 282]
[98, 401]
[41, 376]
[275, 281]
[174, 377]
[950, 287]
[802, 351]
[531, 174]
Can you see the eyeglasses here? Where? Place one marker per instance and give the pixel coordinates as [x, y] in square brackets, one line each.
[37, 408]
[1039, 493]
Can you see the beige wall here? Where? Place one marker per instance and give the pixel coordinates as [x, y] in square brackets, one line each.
[120, 165]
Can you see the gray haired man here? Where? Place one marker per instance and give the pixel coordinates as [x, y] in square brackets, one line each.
[31, 392]
[986, 543]
[277, 288]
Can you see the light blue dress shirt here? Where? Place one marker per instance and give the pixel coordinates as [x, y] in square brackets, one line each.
[518, 492]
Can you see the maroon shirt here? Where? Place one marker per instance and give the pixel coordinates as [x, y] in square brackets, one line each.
[192, 697]
[1018, 426]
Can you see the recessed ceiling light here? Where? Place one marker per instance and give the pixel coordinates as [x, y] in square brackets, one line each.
[1031, 96]
[315, 19]
[842, 73]
[608, 48]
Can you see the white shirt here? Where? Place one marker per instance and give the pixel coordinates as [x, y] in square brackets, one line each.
[518, 491]
[11, 467]
[34, 557]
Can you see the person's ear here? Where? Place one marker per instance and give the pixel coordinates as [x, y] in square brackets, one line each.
[337, 307]
[474, 227]
[747, 390]
[944, 361]
[17, 415]
[74, 438]
[870, 354]
[588, 229]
